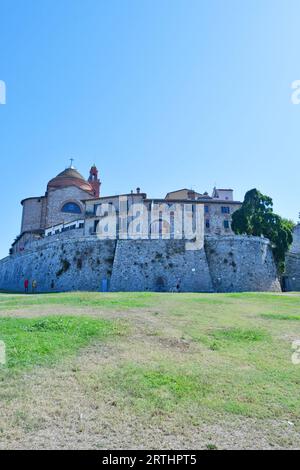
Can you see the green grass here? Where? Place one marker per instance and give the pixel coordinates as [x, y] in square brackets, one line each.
[238, 335]
[42, 341]
[283, 316]
[76, 299]
[243, 364]
[158, 389]
[190, 354]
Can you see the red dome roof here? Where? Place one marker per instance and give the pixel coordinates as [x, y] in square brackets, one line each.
[70, 177]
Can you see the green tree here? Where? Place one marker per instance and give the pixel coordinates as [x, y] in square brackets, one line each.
[256, 217]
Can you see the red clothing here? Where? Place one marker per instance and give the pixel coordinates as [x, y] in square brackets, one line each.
[26, 283]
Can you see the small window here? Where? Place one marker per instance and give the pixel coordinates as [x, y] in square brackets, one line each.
[96, 223]
[206, 209]
[225, 210]
[71, 208]
[226, 224]
[207, 224]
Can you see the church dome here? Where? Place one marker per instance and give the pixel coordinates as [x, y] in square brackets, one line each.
[70, 177]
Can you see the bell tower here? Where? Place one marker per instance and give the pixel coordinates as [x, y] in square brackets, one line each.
[95, 181]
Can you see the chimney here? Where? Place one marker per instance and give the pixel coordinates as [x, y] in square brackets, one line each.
[191, 194]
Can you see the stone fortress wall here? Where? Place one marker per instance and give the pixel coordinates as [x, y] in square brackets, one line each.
[292, 268]
[58, 246]
[225, 264]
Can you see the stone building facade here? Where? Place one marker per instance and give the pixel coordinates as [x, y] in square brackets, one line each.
[73, 239]
[217, 213]
[70, 198]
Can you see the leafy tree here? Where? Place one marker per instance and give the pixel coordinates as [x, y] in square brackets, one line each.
[256, 217]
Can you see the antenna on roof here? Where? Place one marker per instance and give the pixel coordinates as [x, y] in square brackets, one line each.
[72, 161]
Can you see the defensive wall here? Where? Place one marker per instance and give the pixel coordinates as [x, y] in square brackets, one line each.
[60, 263]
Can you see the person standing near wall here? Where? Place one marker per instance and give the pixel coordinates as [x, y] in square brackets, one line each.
[26, 285]
[34, 285]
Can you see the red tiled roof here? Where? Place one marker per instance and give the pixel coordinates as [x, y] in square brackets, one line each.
[70, 177]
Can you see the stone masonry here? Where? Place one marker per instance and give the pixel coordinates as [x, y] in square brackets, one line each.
[226, 264]
[73, 239]
[292, 269]
[159, 265]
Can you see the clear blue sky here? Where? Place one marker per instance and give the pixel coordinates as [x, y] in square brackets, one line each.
[160, 94]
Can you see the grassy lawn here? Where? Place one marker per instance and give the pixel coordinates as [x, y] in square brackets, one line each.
[77, 299]
[45, 340]
[150, 370]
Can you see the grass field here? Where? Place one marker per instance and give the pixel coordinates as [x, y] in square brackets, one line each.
[143, 370]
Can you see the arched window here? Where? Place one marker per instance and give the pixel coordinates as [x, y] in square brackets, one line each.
[71, 208]
[160, 227]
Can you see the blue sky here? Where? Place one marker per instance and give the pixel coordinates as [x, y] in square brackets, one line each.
[160, 94]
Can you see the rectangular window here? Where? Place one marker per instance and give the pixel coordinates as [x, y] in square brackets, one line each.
[225, 210]
[226, 224]
[207, 225]
[96, 223]
[206, 209]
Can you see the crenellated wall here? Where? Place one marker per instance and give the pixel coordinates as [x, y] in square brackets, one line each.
[226, 264]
